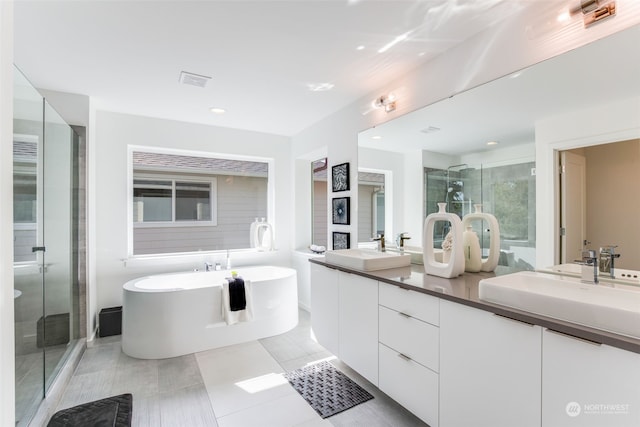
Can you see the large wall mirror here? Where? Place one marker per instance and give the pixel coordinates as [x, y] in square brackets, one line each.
[481, 145]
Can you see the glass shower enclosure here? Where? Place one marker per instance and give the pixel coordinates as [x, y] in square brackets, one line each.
[505, 190]
[46, 294]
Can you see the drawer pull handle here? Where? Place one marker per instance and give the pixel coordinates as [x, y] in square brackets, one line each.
[404, 314]
[404, 357]
[584, 340]
[522, 322]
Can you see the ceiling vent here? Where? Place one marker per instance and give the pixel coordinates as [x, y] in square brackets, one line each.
[192, 79]
[430, 129]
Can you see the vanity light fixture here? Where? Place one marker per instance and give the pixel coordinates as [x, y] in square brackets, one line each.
[217, 110]
[388, 102]
[595, 11]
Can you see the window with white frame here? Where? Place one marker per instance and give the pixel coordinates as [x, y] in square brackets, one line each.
[187, 203]
[172, 200]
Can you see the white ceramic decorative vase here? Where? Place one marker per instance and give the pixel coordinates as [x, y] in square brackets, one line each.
[455, 265]
[491, 262]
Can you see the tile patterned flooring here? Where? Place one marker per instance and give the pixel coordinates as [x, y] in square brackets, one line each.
[236, 386]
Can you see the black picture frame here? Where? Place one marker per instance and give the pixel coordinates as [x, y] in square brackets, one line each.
[340, 177]
[340, 210]
[341, 240]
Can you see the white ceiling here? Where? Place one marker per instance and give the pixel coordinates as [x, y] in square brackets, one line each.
[261, 55]
[506, 110]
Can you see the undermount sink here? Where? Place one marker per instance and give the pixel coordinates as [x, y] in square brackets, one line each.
[613, 308]
[367, 259]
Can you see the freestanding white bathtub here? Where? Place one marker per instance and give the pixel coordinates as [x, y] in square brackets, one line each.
[171, 315]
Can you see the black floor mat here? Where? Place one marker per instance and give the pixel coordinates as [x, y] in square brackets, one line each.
[326, 389]
[113, 411]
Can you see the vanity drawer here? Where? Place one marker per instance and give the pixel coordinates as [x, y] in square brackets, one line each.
[410, 384]
[411, 337]
[415, 304]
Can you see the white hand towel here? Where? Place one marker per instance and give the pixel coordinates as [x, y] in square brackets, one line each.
[232, 317]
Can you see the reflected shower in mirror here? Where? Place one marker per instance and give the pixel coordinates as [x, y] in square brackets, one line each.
[507, 191]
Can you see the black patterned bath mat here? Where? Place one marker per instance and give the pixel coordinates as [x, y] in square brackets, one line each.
[113, 411]
[326, 389]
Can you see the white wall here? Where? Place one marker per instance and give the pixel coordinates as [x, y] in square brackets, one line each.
[73, 108]
[618, 121]
[113, 133]
[7, 355]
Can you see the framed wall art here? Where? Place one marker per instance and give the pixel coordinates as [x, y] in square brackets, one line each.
[340, 177]
[340, 210]
[341, 240]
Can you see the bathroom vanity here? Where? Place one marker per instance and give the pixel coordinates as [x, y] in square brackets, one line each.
[454, 360]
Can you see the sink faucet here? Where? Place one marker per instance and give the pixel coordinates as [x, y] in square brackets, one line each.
[400, 240]
[588, 260]
[380, 239]
[207, 266]
[607, 255]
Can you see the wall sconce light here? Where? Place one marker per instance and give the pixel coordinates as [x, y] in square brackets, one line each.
[593, 11]
[388, 102]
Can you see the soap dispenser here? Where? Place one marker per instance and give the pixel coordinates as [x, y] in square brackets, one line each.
[455, 265]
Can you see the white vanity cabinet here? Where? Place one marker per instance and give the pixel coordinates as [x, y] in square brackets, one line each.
[344, 318]
[588, 384]
[409, 350]
[359, 324]
[490, 369]
[325, 314]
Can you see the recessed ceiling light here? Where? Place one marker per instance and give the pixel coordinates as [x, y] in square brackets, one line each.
[217, 110]
[376, 137]
[361, 47]
[492, 143]
[320, 87]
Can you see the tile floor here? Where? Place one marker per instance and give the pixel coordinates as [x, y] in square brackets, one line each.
[236, 386]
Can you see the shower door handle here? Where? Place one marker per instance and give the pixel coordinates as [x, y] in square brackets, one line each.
[38, 249]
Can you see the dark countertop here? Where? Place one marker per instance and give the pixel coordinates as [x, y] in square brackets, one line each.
[464, 290]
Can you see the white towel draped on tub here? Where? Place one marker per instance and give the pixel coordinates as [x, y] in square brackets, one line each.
[232, 317]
